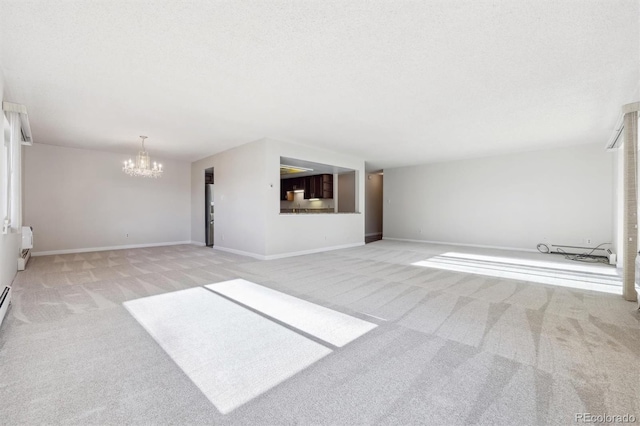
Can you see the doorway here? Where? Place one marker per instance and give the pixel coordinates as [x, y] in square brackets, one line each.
[374, 206]
[209, 206]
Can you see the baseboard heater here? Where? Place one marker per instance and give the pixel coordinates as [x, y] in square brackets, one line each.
[23, 259]
[601, 252]
[5, 301]
[27, 245]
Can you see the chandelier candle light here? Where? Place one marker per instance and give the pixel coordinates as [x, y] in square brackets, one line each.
[143, 166]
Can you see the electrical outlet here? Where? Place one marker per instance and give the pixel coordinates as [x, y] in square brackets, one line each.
[127, 235]
[420, 231]
[222, 237]
[588, 240]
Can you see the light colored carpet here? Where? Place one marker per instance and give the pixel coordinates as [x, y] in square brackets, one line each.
[333, 327]
[455, 348]
[232, 354]
[579, 275]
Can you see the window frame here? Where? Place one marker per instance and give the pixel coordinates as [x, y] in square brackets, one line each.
[6, 180]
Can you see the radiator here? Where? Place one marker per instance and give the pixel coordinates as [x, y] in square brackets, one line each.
[602, 252]
[5, 301]
[23, 259]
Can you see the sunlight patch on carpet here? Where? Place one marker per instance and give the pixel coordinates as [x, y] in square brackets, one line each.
[230, 353]
[326, 324]
[484, 265]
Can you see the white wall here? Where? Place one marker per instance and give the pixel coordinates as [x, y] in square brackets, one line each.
[9, 243]
[296, 233]
[561, 196]
[347, 192]
[239, 195]
[373, 200]
[81, 199]
[247, 203]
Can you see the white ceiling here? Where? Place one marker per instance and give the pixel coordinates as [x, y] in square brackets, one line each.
[393, 82]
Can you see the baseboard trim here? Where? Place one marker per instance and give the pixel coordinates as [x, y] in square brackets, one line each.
[373, 234]
[240, 252]
[312, 251]
[92, 249]
[197, 243]
[289, 254]
[461, 244]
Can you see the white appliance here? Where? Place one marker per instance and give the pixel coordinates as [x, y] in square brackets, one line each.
[27, 245]
[600, 251]
[5, 301]
[27, 237]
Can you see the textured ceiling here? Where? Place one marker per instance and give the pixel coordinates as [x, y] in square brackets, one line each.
[393, 82]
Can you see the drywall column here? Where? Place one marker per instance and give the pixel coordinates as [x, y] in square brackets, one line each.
[630, 112]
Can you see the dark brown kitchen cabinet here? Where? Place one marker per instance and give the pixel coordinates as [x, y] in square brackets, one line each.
[327, 186]
[291, 184]
[309, 189]
[298, 184]
[283, 189]
[319, 186]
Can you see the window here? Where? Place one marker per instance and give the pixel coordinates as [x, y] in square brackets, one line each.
[7, 172]
[10, 179]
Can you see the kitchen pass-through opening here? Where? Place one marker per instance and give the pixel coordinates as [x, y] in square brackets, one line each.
[307, 187]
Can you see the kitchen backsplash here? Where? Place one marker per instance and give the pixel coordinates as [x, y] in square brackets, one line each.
[301, 203]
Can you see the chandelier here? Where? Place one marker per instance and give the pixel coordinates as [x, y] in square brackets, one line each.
[143, 166]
